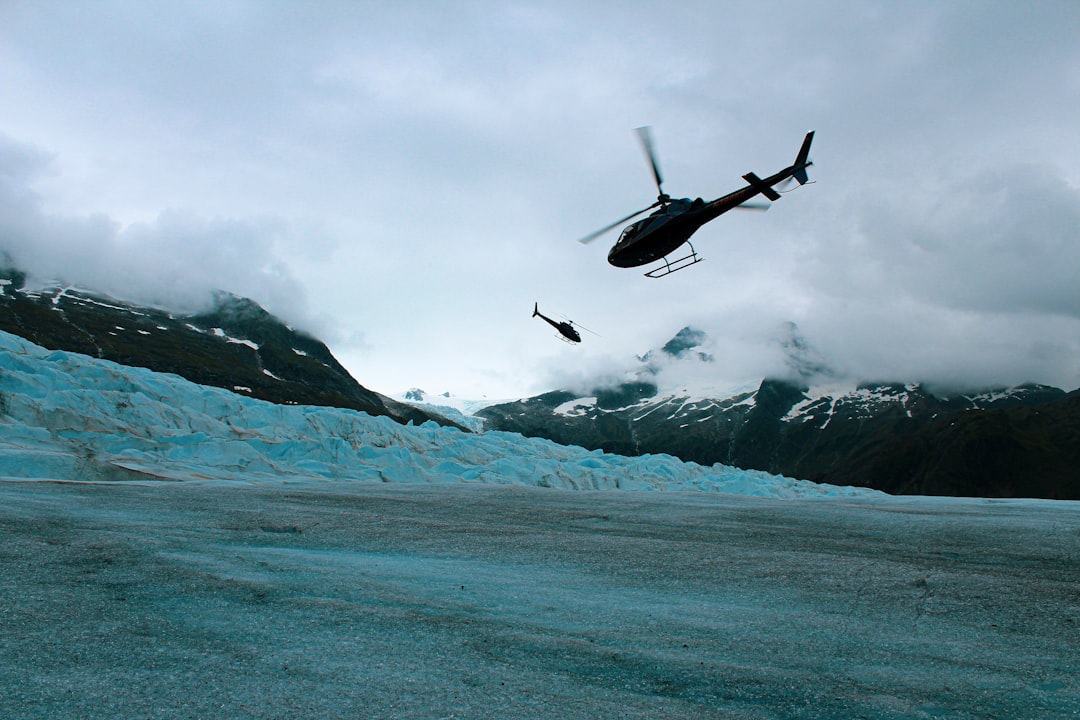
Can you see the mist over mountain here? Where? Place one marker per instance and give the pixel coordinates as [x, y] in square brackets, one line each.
[177, 259]
[693, 363]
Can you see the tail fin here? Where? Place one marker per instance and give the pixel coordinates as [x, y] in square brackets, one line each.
[536, 309]
[802, 161]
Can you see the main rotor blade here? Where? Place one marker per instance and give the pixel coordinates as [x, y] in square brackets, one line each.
[583, 328]
[645, 135]
[577, 325]
[592, 236]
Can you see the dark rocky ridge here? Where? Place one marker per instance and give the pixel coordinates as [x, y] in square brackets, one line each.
[237, 345]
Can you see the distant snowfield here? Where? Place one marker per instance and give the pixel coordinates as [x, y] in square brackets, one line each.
[171, 551]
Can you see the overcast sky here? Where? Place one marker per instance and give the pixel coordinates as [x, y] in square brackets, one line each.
[405, 179]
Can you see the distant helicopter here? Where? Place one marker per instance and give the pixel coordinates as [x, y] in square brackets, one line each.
[668, 228]
[566, 329]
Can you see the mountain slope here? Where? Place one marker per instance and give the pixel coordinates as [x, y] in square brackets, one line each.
[237, 346]
[1022, 441]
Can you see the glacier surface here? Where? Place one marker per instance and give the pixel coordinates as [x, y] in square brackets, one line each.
[172, 552]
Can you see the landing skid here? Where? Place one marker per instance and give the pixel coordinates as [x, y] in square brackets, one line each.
[675, 265]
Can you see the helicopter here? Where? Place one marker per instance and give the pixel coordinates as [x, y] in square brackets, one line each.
[664, 231]
[566, 329]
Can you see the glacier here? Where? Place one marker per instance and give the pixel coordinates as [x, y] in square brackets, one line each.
[69, 415]
[172, 551]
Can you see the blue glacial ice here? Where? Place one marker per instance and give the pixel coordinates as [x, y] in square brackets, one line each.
[66, 415]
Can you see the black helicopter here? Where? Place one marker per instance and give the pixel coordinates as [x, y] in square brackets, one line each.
[566, 329]
[665, 230]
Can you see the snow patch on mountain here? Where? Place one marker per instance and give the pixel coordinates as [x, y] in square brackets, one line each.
[218, 332]
[575, 408]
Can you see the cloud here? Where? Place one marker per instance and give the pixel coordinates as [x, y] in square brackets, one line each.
[177, 261]
[972, 273]
[908, 341]
[731, 357]
[1000, 238]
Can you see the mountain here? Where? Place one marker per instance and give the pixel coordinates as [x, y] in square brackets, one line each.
[900, 438]
[237, 345]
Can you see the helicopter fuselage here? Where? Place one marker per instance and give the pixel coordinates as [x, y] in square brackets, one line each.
[566, 329]
[663, 231]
